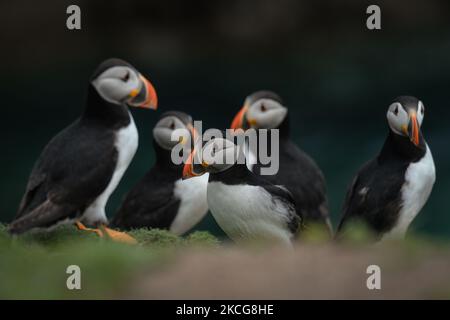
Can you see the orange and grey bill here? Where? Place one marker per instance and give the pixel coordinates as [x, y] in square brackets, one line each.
[414, 136]
[151, 99]
[239, 118]
[187, 169]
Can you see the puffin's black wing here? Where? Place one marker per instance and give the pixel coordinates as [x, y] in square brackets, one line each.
[285, 196]
[302, 177]
[280, 193]
[32, 191]
[374, 196]
[72, 171]
[151, 204]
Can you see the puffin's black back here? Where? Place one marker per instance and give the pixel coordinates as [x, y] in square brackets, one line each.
[151, 202]
[301, 176]
[75, 167]
[375, 194]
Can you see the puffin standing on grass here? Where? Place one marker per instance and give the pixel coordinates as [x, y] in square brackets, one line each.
[389, 191]
[246, 206]
[297, 172]
[162, 199]
[83, 164]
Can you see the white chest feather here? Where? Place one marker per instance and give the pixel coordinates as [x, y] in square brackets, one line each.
[250, 157]
[126, 143]
[248, 213]
[193, 204]
[419, 181]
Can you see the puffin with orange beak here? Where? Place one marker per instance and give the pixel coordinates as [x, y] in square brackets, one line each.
[389, 191]
[298, 172]
[247, 207]
[82, 165]
[161, 199]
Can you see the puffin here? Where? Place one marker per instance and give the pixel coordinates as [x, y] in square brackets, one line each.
[162, 199]
[246, 206]
[82, 165]
[298, 172]
[389, 191]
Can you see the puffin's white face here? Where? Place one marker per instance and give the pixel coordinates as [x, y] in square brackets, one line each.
[406, 120]
[219, 154]
[164, 129]
[122, 84]
[264, 113]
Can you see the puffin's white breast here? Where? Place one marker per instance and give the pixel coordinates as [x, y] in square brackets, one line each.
[126, 143]
[193, 204]
[250, 156]
[246, 212]
[419, 180]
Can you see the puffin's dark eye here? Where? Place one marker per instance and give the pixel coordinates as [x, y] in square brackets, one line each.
[396, 110]
[263, 108]
[172, 126]
[126, 77]
[422, 110]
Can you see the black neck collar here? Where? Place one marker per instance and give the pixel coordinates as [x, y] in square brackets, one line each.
[237, 174]
[164, 159]
[285, 129]
[397, 146]
[101, 111]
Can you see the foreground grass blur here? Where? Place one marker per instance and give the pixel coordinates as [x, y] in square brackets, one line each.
[33, 266]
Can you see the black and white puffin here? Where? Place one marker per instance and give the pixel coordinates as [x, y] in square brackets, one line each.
[82, 165]
[246, 206]
[297, 171]
[390, 190]
[162, 199]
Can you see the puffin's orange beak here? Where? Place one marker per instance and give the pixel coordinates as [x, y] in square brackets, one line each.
[238, 120]
[413, 129]
[149, 92]
[194, 133]
[188, 171]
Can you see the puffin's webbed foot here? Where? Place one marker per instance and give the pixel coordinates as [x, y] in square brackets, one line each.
[117, 235]
[82, 227]
[110, 233]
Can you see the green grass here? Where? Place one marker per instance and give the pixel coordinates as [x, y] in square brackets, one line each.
[33, 266]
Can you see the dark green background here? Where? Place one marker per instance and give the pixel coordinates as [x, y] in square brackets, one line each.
[204, 57]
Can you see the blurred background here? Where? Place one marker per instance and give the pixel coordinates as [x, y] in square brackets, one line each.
[204, 57]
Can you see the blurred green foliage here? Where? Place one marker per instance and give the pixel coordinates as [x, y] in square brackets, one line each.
[33, 266]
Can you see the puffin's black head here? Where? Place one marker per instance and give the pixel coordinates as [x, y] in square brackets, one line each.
[261, 110]
[405, 116]
[216, 155]
[174, 124]
[118, 82]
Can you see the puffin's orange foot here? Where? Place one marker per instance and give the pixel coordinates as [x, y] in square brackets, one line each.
[118, 236]
[82, 227]
[110, 233]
